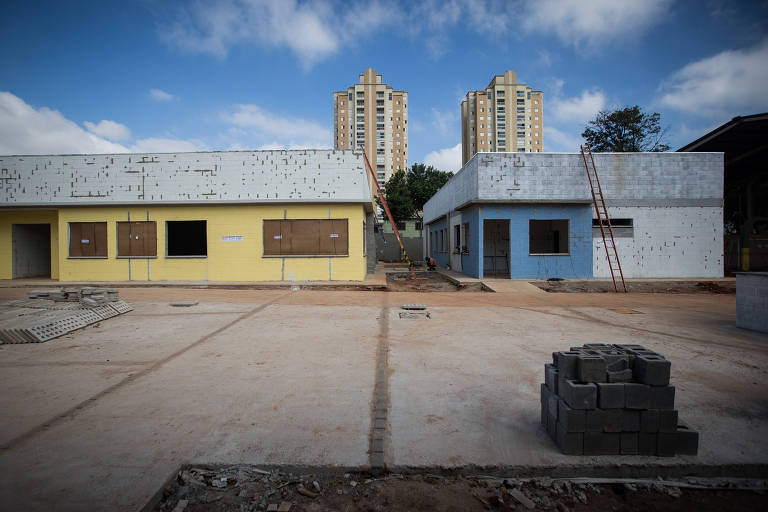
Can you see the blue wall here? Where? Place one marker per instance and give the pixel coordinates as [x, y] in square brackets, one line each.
[577, 264]
[442, 258]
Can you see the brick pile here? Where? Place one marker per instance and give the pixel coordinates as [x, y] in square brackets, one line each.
[603, 399]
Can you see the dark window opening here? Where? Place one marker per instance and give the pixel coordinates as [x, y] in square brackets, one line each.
[419, 225]
[457, 237]
[400, 226]
[186, 238]
[617, 223]
[548, 236]
[465, 246]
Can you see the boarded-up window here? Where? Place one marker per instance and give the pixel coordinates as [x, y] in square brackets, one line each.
[136, 239]
[306, 237]
[87, 239]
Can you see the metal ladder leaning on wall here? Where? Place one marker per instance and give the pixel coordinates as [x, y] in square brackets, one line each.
[602, 218]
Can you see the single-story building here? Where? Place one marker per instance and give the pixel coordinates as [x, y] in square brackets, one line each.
[209, 216]
[531, 215]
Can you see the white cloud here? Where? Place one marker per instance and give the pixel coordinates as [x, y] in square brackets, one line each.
[730, 83]
[448, 159]
[165, 145]
[109, 129]
[282, 132]
[589, 23]
[161, 95]
[445, 123]
[312, 31]
[25, 130]
[558, 140]
[577, 109]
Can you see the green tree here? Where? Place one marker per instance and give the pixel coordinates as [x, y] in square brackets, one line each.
[398, 197]
[626, 130]
[407, 191]
[423, 182]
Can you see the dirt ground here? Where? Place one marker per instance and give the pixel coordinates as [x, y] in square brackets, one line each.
[426, 281]
[576, 286]
[250, 488]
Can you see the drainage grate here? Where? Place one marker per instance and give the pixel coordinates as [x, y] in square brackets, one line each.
[415, 314]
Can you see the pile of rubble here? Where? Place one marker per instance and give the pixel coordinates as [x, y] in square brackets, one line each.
[603, 399]
[48, 314]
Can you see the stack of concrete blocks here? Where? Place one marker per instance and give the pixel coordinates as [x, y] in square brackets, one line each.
[603, 399]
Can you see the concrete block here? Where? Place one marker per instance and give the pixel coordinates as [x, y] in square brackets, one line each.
[544, 393]
[613, 357]
[610, 395]
[629, 443]
[646, 443]
[550, 377]
[619, 376]
[566, 364]
[574, 420]
[552, 427]
[649, 420]
[630, 420]
[612, 420]
[666, 443]
[602, 443]
[653, 370]
[637, 396]
[668, 420]
[595, 420]
[544, 414]
[591, 368]
[687, 440]
[662, 397]
[570, 443]
[580, 395]
[618, 364]
[598, 346]
[552, 405]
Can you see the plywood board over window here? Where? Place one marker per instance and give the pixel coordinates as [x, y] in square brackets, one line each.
[306, 237]
[137, 239]
[87, 239]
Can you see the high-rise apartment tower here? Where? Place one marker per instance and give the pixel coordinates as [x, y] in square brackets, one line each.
[506, 116]
[374, 115]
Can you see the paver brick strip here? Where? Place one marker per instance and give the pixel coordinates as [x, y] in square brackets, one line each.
[631, 414]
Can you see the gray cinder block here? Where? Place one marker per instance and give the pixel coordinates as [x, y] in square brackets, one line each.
[598, 346]
[687, 440]
[637, 396]
[595, 420]
[591, 368]
[613, 357]
[570, 443]
[666, 444]
[629, 443]
[662, 397]
[552, 407]
[552, 427]
[566, 364]
[579, 395]
[646, 443]
[613, 420]
[602, 443]
[610, 395]
[668, 420]
[653, 370]
[630, 420]
[649, 420]
[617, 364]
[619, 376]
[574, 420]
[550, 377]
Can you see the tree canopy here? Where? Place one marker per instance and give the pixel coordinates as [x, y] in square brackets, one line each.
[628, 129]
[406, 192]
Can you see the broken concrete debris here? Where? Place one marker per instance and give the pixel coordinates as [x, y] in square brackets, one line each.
[602, 399]
[48, 314]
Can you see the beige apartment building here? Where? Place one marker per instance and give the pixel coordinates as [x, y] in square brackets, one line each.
[374, 115]
[507, 117]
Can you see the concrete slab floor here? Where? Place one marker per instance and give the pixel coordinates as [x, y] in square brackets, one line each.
[99, 418]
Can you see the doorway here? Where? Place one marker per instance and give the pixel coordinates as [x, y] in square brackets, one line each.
[495, 248]
[31, 245]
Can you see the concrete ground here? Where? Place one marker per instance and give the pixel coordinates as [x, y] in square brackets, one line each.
[99, 418]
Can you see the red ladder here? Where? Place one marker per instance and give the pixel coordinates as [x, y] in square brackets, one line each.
[602, 218]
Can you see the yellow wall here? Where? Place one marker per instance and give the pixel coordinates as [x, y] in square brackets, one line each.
[7, 219]
[226, 261]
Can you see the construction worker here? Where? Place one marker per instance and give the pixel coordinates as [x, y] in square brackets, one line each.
[431, 263]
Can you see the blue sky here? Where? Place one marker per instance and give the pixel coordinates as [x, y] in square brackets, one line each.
[146, 75]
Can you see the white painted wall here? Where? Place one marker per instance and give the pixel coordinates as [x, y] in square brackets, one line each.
[666, 242]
